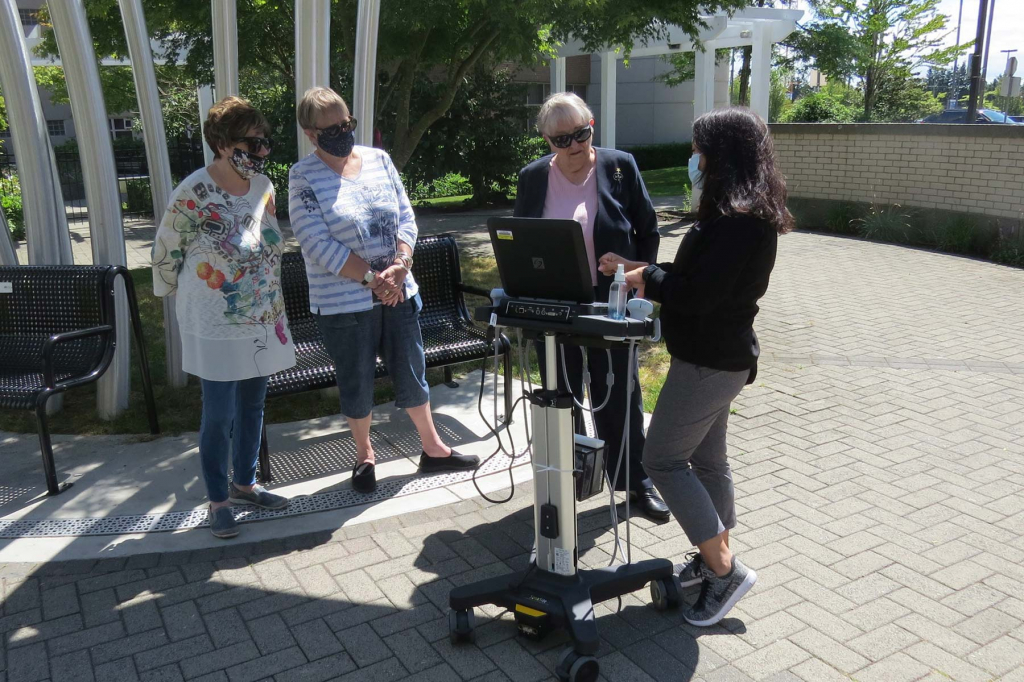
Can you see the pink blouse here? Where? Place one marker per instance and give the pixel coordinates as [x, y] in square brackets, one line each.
[568, 201]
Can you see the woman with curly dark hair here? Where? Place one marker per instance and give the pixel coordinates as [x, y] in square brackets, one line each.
[708, 297]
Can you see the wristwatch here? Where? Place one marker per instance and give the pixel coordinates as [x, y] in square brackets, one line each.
[369, 277]
[405, 258]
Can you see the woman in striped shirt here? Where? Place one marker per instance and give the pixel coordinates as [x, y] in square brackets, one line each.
[357, 231]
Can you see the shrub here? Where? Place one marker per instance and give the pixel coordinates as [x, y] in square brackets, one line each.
[1010, 250]
[278, 174]
[842, 218]
[885, 224]
[831, 104]
[450, 185]
[139, 196]
[655, 156]
[14, 214]
[955, 235]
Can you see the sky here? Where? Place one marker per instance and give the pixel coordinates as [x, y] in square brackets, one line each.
[1007, 29]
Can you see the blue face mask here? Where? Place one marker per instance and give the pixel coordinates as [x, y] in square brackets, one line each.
[337, 145]
[696, 174]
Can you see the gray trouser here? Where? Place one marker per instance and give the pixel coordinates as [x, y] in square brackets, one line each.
[685, 453]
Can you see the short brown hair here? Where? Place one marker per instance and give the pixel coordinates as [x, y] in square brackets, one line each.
[315, 101]
[230, 120]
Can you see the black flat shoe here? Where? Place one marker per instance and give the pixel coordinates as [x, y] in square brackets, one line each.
[650, 503]
[364, 478]
[454, 462]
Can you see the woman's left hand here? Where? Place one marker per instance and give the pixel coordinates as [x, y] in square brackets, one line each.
[635, 280]
[393, 291]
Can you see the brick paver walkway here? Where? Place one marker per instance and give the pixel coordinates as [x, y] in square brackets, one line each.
[879, 466]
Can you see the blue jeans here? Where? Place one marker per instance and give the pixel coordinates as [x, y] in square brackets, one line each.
[232, 418]
[353, 340]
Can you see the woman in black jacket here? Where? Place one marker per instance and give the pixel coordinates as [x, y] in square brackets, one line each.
[708, 297]
[602, 189]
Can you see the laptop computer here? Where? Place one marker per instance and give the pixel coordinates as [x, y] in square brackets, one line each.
[542, 259]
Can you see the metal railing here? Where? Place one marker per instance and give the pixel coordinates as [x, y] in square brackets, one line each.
[186, 156]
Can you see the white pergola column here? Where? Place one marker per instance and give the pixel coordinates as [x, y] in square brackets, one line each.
[312, 53]
[7, 253]
[225, 48]
[760, 69]
[102, 194]
[609, 80]
[364, 79]
[703, 81]
[557, 65]
[156, 156]
[46, 223]
[204, 95]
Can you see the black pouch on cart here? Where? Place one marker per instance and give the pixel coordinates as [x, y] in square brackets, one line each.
[588, 467]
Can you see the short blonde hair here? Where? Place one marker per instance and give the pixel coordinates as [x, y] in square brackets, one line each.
[316, 101]
[562, 107]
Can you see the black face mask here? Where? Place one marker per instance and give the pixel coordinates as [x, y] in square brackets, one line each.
[337, 145]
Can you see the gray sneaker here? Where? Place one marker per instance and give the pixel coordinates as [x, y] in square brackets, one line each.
[259, 496]
[719, 595]
[689, 573]
[222, 523]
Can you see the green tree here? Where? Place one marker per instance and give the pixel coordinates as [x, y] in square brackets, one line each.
[420, 41]
[876, 41]
[904, 100]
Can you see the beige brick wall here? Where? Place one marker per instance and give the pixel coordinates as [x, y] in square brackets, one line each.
[969, 169]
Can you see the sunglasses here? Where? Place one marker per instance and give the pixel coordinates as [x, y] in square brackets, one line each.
[255, 143]
[338, 128]
[565, 141]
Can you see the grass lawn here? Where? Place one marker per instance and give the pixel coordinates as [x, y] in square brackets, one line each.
[179, 409]
[667, 182]
[444, 202]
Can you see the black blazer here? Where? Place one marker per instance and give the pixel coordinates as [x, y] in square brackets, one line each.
[625, 224]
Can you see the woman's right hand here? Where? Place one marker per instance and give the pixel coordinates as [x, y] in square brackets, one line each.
[608, 263]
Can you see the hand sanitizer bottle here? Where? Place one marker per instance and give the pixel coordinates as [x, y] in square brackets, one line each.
[617, 295]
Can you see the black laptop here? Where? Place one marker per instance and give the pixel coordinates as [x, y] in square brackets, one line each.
[542, 259]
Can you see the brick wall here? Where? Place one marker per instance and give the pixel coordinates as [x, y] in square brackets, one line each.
[968, 169]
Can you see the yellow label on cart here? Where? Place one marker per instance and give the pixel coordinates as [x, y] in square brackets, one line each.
[527, 611]
[505, 234]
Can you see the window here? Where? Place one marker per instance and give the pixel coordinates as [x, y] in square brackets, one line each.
[121, 127]
[55, 127]
[28, 17]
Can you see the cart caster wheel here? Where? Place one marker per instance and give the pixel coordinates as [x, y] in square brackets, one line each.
[574, 667]
[461, 626]
[665, 594]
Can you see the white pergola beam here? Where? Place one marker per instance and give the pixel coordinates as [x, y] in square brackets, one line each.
[225, 48]
[365, 69]
[609, 81]
[102, 194]
[312, 53]
[46, 225]
[8, 256]
[158, 161]
[204, 95]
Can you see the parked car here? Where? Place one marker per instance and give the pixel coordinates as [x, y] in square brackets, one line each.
[960, 116]
[1017, 119]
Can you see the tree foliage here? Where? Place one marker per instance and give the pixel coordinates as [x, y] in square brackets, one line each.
[439, 42]
[877, 41]
[833, 103]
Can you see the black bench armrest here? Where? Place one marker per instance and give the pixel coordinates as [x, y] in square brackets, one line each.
[476, 291]
[50, 345]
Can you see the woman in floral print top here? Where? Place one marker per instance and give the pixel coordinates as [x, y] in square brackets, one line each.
[218, 249]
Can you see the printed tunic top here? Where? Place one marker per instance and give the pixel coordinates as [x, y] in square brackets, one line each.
[221, 255]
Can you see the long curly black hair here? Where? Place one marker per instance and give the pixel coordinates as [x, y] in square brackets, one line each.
[741, 174]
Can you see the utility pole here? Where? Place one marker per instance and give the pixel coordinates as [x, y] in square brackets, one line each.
[988, 44]
[977, 87]
[955, 86]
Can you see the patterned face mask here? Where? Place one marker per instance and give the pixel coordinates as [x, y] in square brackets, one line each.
[247, 165]
[336, 145]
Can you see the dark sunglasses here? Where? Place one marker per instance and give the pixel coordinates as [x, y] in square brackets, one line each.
[338, 128]
[255, 143]
[565, 141]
